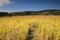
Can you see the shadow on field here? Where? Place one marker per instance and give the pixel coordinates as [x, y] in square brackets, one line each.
[31, 31]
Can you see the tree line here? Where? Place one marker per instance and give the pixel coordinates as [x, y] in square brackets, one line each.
[44, 12]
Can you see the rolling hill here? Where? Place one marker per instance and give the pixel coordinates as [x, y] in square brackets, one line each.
[43, 12]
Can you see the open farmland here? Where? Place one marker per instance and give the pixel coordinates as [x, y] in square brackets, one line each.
[42, 27]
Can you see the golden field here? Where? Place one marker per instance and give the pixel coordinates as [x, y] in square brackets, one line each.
[17, 27]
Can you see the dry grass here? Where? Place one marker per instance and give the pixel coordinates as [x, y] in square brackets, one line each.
[42, 27]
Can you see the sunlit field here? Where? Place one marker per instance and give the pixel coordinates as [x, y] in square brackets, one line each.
[30, 28]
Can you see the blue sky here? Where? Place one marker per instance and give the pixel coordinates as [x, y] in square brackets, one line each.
[30, 5]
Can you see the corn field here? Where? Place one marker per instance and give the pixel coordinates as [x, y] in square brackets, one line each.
[30, 28]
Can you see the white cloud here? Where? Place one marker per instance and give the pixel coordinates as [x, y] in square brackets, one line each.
[4, 2]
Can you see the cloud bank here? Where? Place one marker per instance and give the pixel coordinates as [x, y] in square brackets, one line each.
[4, 2]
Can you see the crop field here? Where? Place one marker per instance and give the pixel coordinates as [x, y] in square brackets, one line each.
[32, 27]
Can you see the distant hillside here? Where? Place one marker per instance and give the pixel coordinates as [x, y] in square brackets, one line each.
[44, 12]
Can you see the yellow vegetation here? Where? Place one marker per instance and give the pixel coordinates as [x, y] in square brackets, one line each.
[16, 27]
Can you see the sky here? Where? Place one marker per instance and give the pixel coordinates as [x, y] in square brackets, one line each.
[28, 5]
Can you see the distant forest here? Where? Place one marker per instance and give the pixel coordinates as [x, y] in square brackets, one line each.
[44, 12]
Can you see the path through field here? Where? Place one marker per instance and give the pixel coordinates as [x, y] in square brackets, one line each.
[17, 27]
